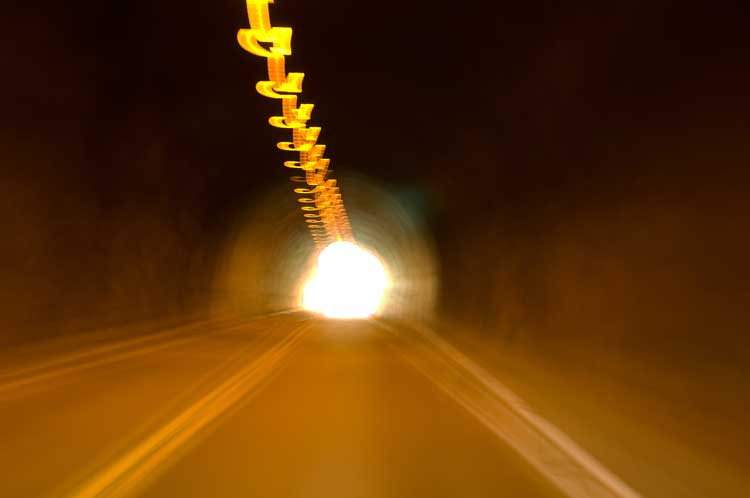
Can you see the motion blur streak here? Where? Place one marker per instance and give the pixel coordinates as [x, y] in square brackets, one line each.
[348, 282]
[324, 211]
[131, 471]
[49, 370]
[550, 451]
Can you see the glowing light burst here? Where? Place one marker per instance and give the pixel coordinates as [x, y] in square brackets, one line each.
[349, 282]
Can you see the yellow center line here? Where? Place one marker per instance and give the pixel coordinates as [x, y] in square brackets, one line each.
[130, 471]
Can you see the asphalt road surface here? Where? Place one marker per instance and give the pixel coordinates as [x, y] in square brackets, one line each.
[280, 406]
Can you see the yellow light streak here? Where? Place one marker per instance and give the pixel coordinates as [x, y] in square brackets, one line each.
[330, 222]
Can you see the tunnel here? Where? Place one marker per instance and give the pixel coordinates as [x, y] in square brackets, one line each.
[558, 192]
[267, 256]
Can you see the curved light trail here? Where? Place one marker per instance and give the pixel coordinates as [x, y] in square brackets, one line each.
[322, 203]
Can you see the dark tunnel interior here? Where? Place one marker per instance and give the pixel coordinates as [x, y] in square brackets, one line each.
[563, 189]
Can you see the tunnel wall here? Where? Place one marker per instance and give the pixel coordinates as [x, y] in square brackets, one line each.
[127, 162]
[78, 255]
[637, 258]
[265, 257]
[614, 298]
[659, 274]
[385, 225]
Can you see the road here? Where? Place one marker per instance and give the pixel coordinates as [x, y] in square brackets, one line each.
[285, 405]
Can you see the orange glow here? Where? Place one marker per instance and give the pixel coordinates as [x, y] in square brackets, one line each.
[329, 222]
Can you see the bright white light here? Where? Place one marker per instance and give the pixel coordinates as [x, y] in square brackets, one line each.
[348, 283]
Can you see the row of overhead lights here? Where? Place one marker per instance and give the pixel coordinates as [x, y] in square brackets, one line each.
[323, 206]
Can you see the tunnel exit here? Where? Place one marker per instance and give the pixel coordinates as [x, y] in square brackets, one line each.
[348, 282]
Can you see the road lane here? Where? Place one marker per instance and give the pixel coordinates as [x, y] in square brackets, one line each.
[55, 435]
[349, 417]
[281, 406]
[39, 366]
